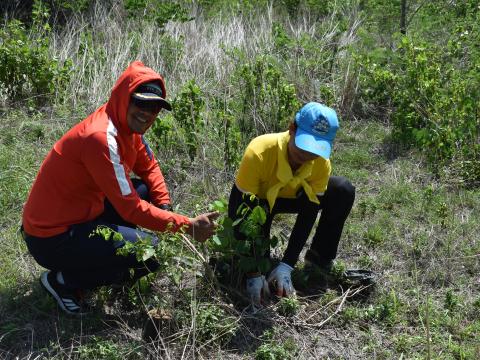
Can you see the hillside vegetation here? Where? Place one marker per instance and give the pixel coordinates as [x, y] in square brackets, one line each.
[404, 77]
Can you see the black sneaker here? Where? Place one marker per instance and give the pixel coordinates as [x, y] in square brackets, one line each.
[313, 259]
[69, 300]
[335, 274]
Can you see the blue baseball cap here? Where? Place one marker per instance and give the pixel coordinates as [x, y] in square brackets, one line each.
[317, 126]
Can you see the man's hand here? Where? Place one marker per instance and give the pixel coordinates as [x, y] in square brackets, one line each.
[280, 278]
[203, 226]
[257, 289]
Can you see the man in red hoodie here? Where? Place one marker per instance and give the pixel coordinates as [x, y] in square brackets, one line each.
[84, 182]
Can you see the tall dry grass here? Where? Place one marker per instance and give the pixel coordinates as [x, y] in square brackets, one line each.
[104, 41]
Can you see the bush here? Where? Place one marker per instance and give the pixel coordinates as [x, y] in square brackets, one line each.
[246, 254]
[430, 89]
[187, 111]
[213, 324]
[288, 306]
[267, 101]
[434, 105]
[231, 138]
[275, 351]
[27, 67]
[157, 11]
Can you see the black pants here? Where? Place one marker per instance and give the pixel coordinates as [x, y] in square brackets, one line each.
[335, 204]
[86, 259]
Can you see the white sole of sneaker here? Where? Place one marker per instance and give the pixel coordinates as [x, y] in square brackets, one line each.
[63, 303]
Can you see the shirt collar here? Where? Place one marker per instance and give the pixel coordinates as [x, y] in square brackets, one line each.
[284, 171]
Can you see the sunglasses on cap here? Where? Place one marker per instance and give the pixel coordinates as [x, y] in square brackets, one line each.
[147, 105]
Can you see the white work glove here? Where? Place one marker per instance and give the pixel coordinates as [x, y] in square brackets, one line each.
[257, 289]
[280, 278]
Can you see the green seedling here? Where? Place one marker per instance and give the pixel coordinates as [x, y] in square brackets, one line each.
[247, 253]
[288, 306]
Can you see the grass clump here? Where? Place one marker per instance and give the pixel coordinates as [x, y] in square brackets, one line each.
[288, 306]
[275, 350]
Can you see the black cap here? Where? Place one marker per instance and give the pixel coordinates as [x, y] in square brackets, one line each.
[151, 92]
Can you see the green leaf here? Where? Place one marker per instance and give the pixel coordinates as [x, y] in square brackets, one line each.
[117, 236]
[258, 215]
[247, 264]
[219, 205]
[236, 222]
[227, 224]
[263, 265]
[216, 240]
[148, 253]
[242, 247]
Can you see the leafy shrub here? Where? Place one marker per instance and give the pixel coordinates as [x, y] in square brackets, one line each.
[213, 324]
[27, 67]
[246, 254]
[276, 351]
[281, 40]
[434, 105]
[288, 306]
[387, 310]
[73, 6]
[164, 140]
[187, 111]
[106, 349]
[160, 12]
[170, 253]
[231, 138]
[266, 100]
[431, 90]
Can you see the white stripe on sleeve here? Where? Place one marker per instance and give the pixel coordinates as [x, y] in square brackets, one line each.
[115, 159]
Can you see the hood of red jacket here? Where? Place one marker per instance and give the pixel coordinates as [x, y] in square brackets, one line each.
[135, 74]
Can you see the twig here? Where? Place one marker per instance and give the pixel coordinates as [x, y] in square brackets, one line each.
[193, 248]
[208, 270]
[343, 297]
[462, 257]
[427, 326]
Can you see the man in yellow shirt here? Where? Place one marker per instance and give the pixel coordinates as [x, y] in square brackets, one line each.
[289, 172]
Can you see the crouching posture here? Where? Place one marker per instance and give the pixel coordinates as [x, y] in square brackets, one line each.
[290, 172]
[84, 182]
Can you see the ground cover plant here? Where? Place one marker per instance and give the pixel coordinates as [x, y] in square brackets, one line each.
[409, 142]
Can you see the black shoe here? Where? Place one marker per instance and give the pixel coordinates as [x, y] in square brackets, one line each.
[69, 300]
[313, 259]
[335, 274]
[128, 279]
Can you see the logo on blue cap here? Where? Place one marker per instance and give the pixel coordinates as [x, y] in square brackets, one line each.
[321, 126]
[317, 126]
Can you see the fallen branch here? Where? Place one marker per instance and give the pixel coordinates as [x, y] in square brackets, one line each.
[342, 299]
[193, 248]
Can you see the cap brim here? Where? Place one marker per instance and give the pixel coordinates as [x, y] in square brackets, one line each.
[313, 144]
[153, 97]
[166, 105]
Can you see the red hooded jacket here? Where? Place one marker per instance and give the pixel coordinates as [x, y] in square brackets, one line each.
[92, 161]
